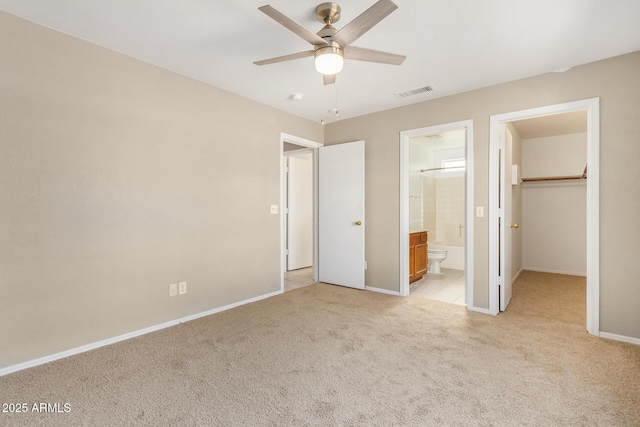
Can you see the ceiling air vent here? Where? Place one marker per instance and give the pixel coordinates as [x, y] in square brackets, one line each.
[414, 92]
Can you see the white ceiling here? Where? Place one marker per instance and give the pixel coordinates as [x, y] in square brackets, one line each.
[556, 124]
[453, 46]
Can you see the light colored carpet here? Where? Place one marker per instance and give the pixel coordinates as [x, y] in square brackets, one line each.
[326, 355]
[550, 296]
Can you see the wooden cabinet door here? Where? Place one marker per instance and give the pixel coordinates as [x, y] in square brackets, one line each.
[412, 263]
[420, 257]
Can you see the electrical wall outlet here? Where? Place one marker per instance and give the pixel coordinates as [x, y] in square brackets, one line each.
[173, 289]
[182, 289]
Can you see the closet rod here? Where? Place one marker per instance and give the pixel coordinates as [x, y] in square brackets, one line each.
[441, 169]
[552, 178]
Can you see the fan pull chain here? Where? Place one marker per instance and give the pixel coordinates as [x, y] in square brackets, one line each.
[336, 104]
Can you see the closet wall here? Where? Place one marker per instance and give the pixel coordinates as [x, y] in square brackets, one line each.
[554, 220]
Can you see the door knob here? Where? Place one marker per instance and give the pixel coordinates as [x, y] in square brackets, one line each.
[358, 223]
[514, 225]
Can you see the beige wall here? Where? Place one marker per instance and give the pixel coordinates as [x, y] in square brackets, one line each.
[556, 155]
[614, 80]
[554, 223]
[118, 178]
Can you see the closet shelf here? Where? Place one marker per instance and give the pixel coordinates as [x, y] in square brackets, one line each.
[557, 178]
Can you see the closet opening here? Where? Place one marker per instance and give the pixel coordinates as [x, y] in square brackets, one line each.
[543, 221]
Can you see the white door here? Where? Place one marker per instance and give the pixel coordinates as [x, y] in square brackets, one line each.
[341, 214]
[506, 144]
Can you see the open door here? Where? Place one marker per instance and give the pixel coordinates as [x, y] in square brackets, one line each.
[341, 214]
[504, 217]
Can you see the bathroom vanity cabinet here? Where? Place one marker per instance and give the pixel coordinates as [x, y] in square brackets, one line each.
[418, 250]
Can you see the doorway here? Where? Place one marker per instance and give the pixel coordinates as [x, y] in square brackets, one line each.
[338, 212]
[505, 216]
[298, 215]
[436, 175]
[299, 232]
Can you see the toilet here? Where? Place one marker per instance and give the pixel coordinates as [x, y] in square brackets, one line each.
[436, 256]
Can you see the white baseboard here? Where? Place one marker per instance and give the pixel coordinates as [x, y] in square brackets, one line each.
[480, 310]
[517, 275]
[544, 270]
[382, 291]
[88, 347]
[622, 338]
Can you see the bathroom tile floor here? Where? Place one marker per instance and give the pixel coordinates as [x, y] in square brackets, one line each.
[295, 279]
[446, 287]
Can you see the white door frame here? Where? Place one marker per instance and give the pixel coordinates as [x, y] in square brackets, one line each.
[283, 236]
[592, 107]
[404, 204]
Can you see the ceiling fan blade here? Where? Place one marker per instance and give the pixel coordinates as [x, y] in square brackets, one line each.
[370, 55]
[285, 58]
[328, 79]
[293, 26]
[364, 22]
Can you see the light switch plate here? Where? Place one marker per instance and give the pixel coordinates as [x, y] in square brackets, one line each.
[173, 289]
[480, 211]
[274, 209]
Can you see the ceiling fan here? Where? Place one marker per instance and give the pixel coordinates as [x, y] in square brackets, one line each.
[330, 46]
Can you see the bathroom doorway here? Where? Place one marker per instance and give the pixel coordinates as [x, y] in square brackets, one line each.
[437, 172]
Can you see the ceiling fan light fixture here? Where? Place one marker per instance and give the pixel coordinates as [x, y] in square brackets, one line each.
[329, 44]
[329, 59]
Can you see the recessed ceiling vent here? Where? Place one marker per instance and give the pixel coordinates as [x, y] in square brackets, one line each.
[414, 92]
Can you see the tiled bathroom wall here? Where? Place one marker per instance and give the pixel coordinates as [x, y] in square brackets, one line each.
[449, 211]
